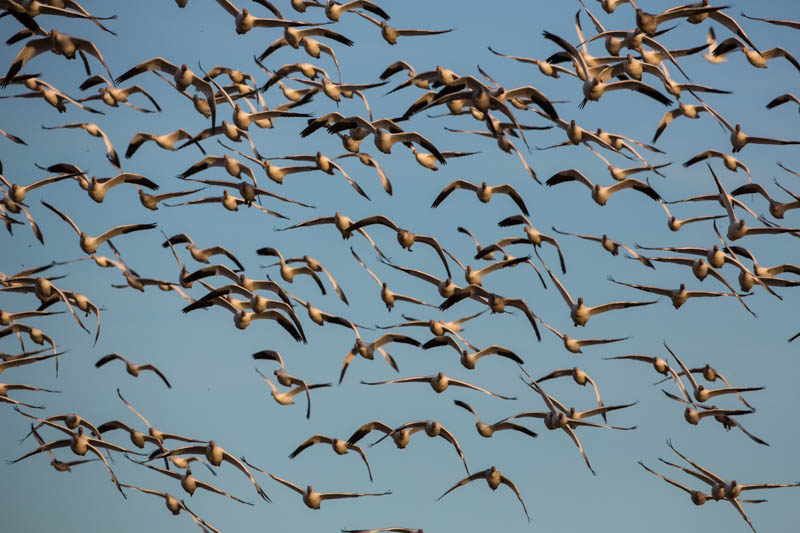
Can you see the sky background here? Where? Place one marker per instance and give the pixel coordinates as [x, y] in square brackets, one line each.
[217, 394]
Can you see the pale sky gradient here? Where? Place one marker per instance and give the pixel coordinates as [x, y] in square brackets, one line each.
[217, 394]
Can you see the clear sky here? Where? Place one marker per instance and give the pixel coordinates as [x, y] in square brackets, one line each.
[217, 394]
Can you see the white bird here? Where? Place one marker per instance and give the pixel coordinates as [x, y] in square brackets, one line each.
[173, 504]
[600, 193]
[494, 479]
[90, 244]
[483, 192]
[132, 369]
[469, 360]
[439, 383]
[487, 430]
[339, 446]
[182, 76]
[94, 130]
[215, 454]
[580, 313]
[312, 498]
[611, 246]
[388, 296]
[754, 57]
[60, 44]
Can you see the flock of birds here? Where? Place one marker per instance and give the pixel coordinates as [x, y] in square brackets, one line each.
[636, 62]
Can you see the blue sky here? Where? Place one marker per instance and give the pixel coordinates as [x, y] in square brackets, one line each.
[217, 394]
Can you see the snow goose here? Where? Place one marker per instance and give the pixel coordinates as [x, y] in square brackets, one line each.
[469, 360]
[439, 383]
[580, 377]
[367, 350]
[312, 498]
[95, 131]
[60, 44]
[610, 245]
[474, 276]
[532, 236]
[445, 287]
[166, 141]
[12, 138]
[369, 161]
[243, 318]
[754, 57]
[99, 187]
[190, 484]
[18, 193]
[678, 296]
[288, 273]
[600, 193]
[788, 23]
[339, 446]
[660, 365]
[432, 429]
[215, 454]
[308, 70]
[182, 76]
[701, 270]
[736, 226]
[231, 165]
[580, 313]
[294, 37]
[283, 377]
[496, 303]
[341, 222]
[649, 22]
[151, 201]
[80, 444]
[782, 99]
[405, 238]
[48, 294]
[159, 436]
[724, 416]
[173, 504]
[711, 374]
[201, 255]
[326, 165]
[558, 417]
[731, 163]
[388, 296]
[487, 430]
[334, 10]
[390, 34]
[246, 21]
[429, 160]
[229, 202]
[51, 95]
[494, 479]
[776, 209]
[90, 244]
[438, 327]
[483, 192]
[132, 369]
[593, 88]
[384, 140]
[316, 266]
[25, 360]
[575, 345]
[60, 466]
[548, 69]
[113, 96]
[320, 317]
[698, 497]
[229, 130]
[675, 224]
[702, 394]
[5, 387]
[683, 110]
